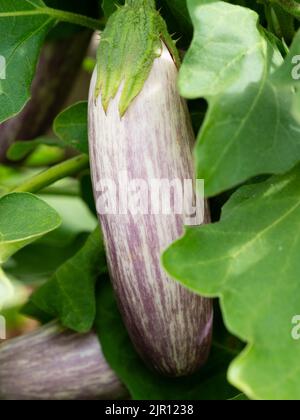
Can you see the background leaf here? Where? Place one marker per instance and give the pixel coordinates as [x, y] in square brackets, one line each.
[76, 218]
[180, 10]
[19, 228]
[251, 261]
[87, 192]
[24, 218]
[178, 19]
[37, 262]
[71, 127]
[70, 295]
[240, 397]
[253, 122]
[21, 40]
[110, 6]
[20, 149]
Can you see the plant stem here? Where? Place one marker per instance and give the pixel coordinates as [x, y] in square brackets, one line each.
[136, 3]
[77, 19]
[68, 168]
[95, 24]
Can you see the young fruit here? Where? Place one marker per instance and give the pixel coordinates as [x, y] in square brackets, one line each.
[169, 326]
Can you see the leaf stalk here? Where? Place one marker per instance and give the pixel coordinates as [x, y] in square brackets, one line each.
[50, 176]
[61, 15]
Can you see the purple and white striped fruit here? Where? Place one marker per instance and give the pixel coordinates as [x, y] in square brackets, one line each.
[52, 363]
[169, 325]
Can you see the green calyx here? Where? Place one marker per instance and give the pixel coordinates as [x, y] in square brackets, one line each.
[129, 45]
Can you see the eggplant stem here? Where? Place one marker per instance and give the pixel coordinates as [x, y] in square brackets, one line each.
[68, 168]
[62, 15]
[137, 3]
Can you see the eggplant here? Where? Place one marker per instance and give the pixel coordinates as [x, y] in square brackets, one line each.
[53, 363]
[58, 67]
[170, 326]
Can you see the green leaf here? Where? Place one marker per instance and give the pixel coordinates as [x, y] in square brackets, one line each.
[29, 310]
[179, 10]
[24, 218]
[71, 127]
[22, 33]
[176, 15]
[44, 156]
[253, 123]
[251, 261]
[37, 262]
[19, 228]
[20, 149]
[70, 294]
[10, 177]
[144, 384]
[87, 192]
[76, 218]
[110, 6]
[240, 397]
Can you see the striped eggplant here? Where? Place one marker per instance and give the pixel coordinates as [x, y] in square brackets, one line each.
[53, 363]
[169, 326]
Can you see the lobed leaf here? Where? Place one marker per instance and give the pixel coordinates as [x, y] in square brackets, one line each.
[22, 33]
[70, 294]
[253, 122]
[251, 261]
[71, 127]
[18, 227]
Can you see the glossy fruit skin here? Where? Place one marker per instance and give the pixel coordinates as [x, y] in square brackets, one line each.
[170, 326]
